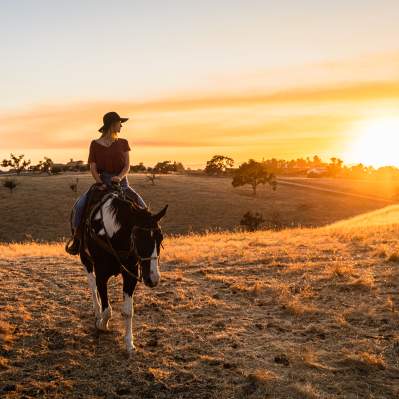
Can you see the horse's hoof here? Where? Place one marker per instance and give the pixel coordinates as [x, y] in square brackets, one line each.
[100, 326]
[131, 349]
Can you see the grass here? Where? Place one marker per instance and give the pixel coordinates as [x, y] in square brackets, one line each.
[301, 313]
[39, 207]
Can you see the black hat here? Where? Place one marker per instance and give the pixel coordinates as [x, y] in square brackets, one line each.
[109, 118]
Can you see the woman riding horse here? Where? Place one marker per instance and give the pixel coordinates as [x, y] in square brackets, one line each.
[109, 163]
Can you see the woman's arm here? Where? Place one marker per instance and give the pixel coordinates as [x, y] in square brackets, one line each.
[126, 168]
[93, 170]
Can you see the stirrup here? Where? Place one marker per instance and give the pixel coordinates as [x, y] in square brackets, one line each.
[68, 247]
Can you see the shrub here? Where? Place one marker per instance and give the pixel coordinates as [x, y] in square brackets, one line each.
[10, 184]
[252, 221]
[74, 185]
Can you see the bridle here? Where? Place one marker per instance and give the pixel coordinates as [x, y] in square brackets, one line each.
[131, 251]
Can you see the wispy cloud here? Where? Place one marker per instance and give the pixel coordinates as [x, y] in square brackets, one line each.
[298, 118]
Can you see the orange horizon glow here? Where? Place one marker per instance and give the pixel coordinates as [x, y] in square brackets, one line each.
[290, 123]
[375, 142]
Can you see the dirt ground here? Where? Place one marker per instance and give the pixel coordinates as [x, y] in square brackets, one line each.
[308, 313]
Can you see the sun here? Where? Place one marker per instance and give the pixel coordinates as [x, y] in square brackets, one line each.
[376, 143]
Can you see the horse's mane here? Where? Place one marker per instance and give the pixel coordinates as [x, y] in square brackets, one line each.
[141, 214]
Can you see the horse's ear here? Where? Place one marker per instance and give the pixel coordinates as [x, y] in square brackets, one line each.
[160, 214]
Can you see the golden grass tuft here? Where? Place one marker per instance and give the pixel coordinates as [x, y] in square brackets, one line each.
[305, 390]
[261, 377]
[6, 335]
[297, 307]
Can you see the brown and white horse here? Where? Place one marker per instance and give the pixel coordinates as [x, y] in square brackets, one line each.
[120, 239]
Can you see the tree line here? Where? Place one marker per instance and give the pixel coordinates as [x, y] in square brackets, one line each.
[222, 165]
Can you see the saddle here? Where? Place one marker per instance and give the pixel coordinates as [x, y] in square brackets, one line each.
[95, 199]
[96, 196]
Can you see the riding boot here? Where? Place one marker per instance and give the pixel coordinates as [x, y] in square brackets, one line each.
[74, 248]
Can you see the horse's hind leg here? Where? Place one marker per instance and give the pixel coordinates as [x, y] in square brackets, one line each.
[127, 310]
[102, 321]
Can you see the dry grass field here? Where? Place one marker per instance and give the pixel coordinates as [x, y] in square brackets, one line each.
[40, 206]
[303, 313]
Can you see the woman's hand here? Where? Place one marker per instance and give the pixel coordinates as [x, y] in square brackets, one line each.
[116, 179]
[101, 186]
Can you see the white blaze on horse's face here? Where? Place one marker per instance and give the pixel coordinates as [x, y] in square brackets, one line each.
[154, 270]
[110, 223]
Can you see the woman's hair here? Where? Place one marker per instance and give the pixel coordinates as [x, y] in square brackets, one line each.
[114, 135]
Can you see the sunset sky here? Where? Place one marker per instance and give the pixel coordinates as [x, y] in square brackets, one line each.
[248, 79]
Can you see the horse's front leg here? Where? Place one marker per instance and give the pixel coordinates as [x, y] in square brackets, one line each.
[91, 280]
[102, 321]
[129, 283]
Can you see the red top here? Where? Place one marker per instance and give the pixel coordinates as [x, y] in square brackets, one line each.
[109, 159]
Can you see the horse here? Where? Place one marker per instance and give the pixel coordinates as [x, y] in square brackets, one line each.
[119, 237]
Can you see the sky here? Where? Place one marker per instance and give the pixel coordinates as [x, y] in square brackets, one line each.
[246, 79]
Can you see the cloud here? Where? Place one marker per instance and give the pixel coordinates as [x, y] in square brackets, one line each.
[224, 119]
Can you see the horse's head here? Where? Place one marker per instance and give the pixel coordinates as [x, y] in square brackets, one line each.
[147, 237]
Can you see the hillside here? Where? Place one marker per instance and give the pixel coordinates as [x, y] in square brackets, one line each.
[380, 217]
[40, 206]
[304, 313]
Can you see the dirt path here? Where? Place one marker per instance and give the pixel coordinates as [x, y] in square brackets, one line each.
[319, 321]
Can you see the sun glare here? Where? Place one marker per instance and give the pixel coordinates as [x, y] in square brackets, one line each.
[376, 143]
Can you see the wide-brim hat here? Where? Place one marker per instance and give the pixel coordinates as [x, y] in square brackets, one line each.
[109, 118]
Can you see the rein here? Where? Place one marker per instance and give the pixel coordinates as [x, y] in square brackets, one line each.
[124, 253]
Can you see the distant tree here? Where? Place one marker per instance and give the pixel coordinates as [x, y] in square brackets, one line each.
[44, 166]
[18, 163]
[317, 162]
[253, 173]
[178, 167]
[47, 165]
[35, 168]
[137, 168]
[252, 221]
[83, 167]
[335, 167]
[10, 184]
[164, 167]
[56, 170]
[218, 164]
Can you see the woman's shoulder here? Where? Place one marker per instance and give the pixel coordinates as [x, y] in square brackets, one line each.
[124, 144]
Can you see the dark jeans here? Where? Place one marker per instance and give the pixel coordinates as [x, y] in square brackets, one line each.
[106, 179]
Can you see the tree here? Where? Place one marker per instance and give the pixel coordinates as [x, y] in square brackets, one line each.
[218, 164]
[45, 166]
[56, 170]
[164, 167]
[335, 167]
[317, 162]
[178, 167]
[138, 168]
[16, 162]
[253, 173]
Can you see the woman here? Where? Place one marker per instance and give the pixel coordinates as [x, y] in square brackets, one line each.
[109, 162]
